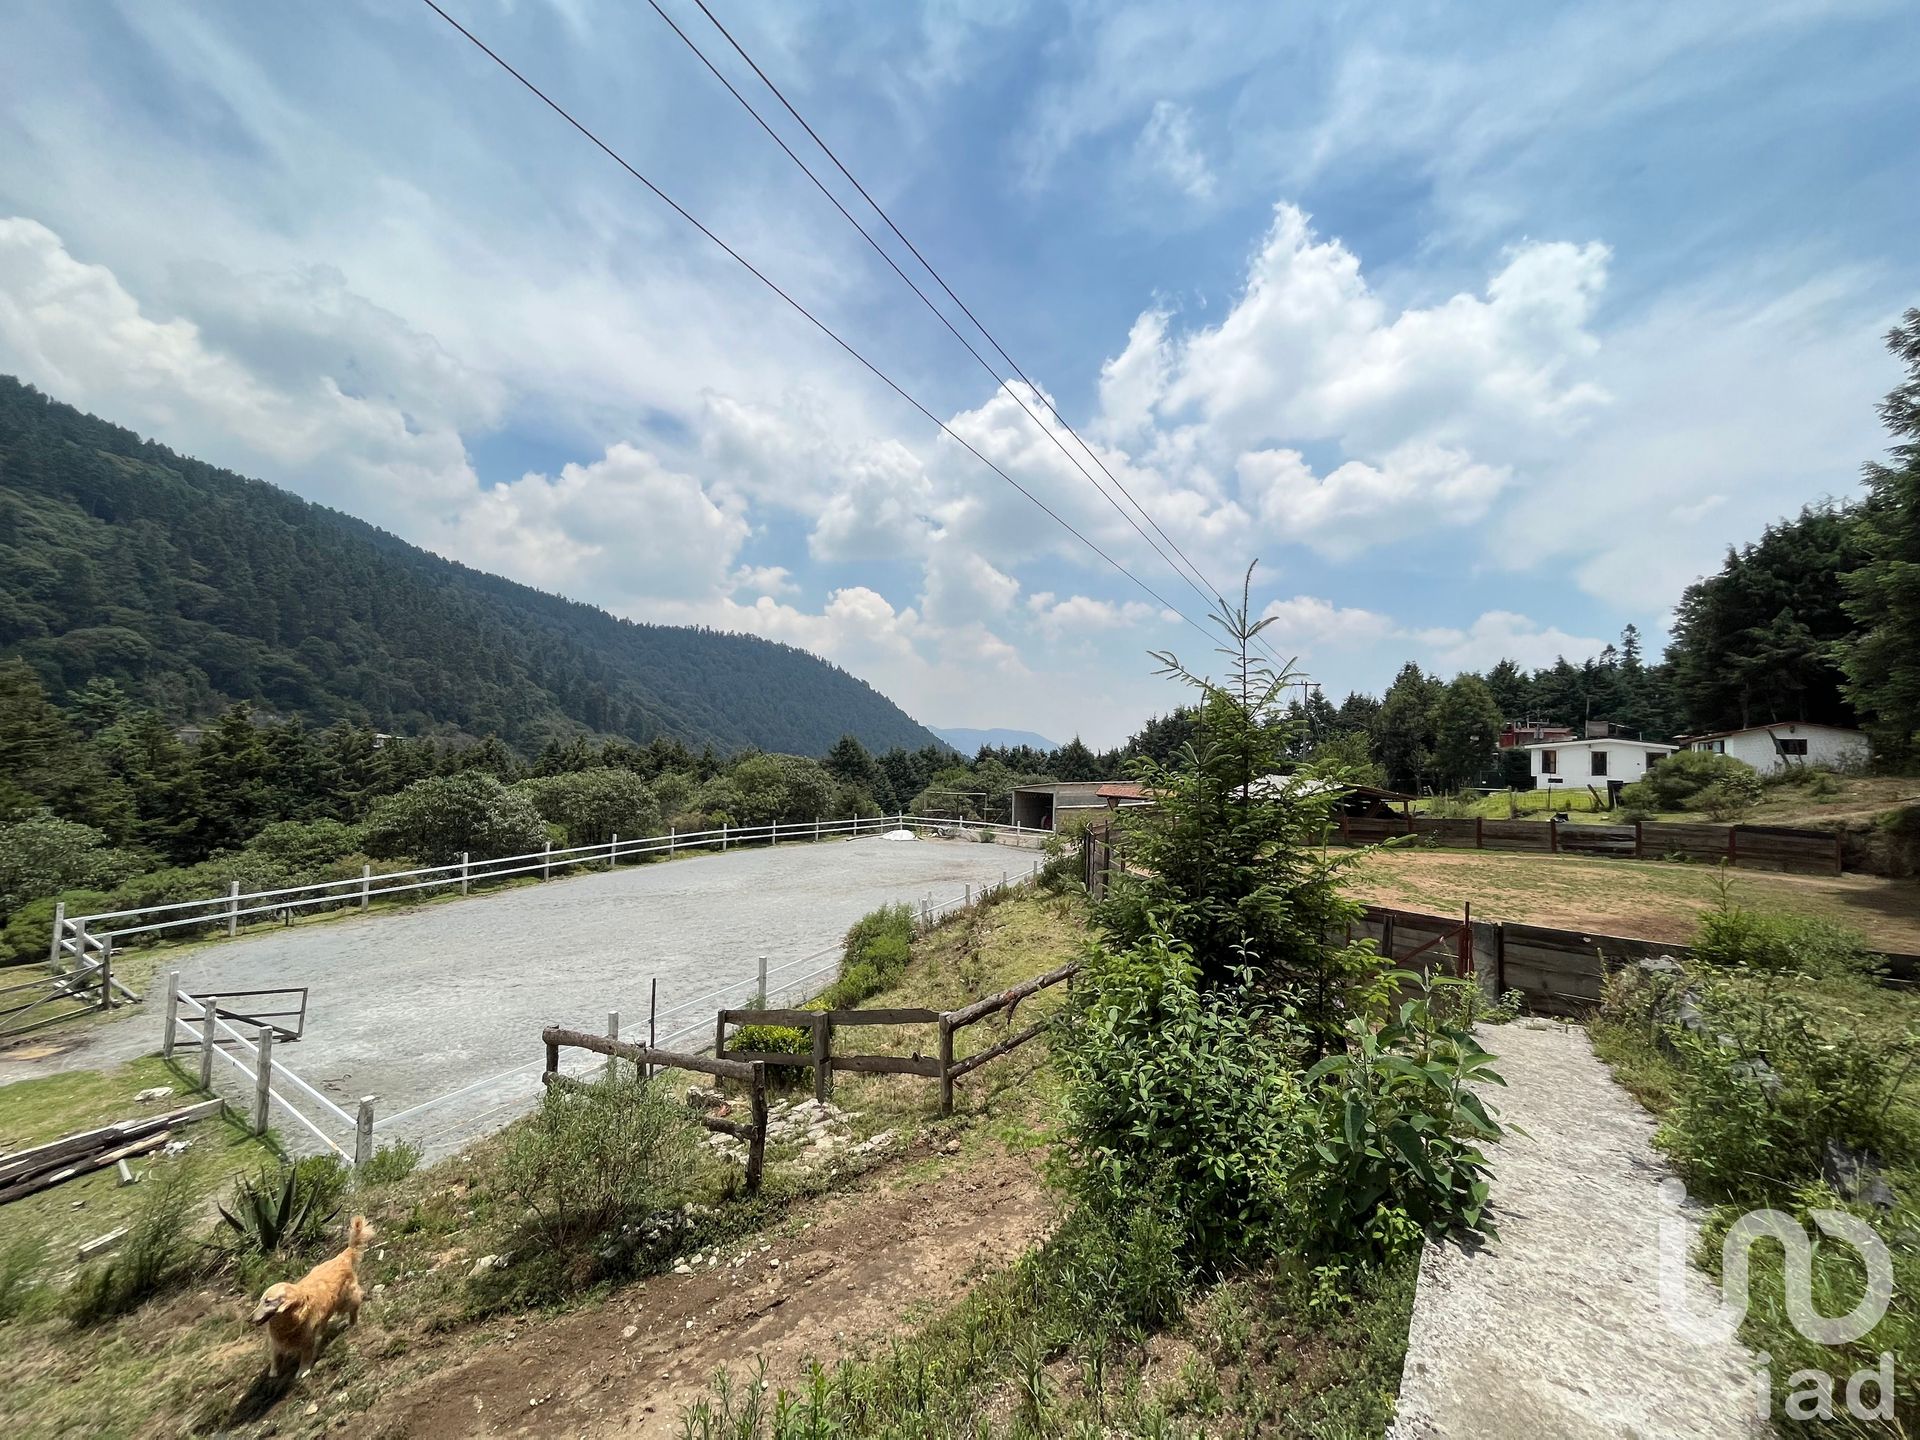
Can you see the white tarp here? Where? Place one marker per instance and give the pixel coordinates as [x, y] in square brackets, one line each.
[900, 835]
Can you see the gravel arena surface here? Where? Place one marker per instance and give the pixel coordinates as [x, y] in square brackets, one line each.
[410, 1005]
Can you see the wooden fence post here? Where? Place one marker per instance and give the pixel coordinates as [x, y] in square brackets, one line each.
[720, 1036]
[233, 909]
[653, 1014]
[262, 1079]
[553, 1057]
[822, 1058]
[1639, 839]
[757, 1140]
[1500, 957]
[210, 1006]
[466, 870]
[1837, 854]
[363, 1133]
[1479, 832]
[106, 974]
[1733, 845]
[173, 1013]
[946, 1064]
[1553, 833]
[613, 1033]
[366, 884]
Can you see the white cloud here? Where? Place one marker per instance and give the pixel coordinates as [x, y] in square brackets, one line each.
[1167, 148]
[1307, 622]
[1502, 635]
[1360, 505]
[769, 580]
[1082, 615]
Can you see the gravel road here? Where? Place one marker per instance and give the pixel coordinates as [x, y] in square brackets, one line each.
[416, 1004]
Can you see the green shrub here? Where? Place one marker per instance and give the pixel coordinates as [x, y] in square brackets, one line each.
[1182, 1103]
[592, 806]
[41, 856]
[298, 847]
[1396, 1131]
[874, 958]
[438, 819]
[1729, 798]
[777, 1040]
[1731, 936]
[1676, 780]
[392, 1162]
[595, 1158]
[155, 1255]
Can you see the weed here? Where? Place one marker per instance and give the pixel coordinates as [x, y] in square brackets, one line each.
[21, 1292]
[391, 1163]
[155, 1255]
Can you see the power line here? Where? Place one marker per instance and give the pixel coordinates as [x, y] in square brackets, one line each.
[811, 318]
[1205, 588]
[1207, 596]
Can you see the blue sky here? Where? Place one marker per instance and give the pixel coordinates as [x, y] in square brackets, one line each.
[1484, 329]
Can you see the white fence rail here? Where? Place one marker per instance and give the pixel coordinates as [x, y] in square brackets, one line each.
[213, 1034]
[78, 935]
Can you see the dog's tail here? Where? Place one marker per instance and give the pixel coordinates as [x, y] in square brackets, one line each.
[359, 1234]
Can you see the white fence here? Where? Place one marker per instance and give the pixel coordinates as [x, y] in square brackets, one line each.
[78, 934]
[213, 1033]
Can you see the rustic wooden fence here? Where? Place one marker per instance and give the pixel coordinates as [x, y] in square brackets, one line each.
[753, 1074]
[824, 1024]
[1559, 971]
[1763, 847]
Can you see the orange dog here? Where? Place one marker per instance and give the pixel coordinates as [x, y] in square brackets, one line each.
[297, 1315]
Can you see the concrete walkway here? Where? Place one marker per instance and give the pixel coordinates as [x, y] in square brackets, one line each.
[1556, 1328]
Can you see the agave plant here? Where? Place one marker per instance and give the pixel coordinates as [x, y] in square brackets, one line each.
[281, 1209]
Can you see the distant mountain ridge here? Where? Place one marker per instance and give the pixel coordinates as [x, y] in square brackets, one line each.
[968, 742]
[194, 587]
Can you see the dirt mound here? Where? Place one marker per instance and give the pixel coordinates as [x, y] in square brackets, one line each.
[850, 1269]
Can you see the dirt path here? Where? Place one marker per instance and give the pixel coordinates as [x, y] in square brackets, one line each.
[857, 1267]
[1556, 1328]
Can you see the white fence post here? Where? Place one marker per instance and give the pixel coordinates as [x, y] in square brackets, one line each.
[173, 1012]
[233, 910]
[764, 1000]
[263, 1080]
[671, 839]
[969, 900]
[363, 1133]
[210, 1005]
[466, 870]
[546, 861]
[774, 833]
[816, 827]
[613, 851]
[366, 884]
[723, 837]
[613, 1033]
[59, 932]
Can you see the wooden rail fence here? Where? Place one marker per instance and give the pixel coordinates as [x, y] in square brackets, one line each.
[1764, 847]
[941, 1066]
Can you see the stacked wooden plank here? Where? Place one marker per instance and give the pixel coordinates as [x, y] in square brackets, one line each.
[28, 1172]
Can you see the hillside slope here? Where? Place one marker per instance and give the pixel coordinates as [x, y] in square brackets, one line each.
[194, 587]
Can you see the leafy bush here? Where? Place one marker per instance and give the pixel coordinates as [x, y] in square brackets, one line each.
[593, 806]
[155, 1255]
[1730, 798]
[41, 856]
[594, 1158]
[1730, 936]
[1181, 1103]
[1681, 776]
[302, 847]
[776, 1040]
[1396, 1131]
[438, 819]
[875, 956]
[284, 1209]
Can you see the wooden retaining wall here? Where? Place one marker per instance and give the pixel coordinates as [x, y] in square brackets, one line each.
[1759, 847]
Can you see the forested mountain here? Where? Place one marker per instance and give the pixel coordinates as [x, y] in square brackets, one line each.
[194, 587]
[967, 742]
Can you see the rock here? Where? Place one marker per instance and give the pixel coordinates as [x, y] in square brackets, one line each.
[1857, 1175]
[683, 1269]
[152, 1094]
[482, 1266]
[1658, 965]
[952, 1147]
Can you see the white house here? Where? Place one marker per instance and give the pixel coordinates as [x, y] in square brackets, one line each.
[1605, 763]
[1782, 746]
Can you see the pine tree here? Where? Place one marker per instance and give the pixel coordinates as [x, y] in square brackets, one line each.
[1882, 662]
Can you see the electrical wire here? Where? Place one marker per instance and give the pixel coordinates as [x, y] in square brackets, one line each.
[1205, 588]
[809, 316]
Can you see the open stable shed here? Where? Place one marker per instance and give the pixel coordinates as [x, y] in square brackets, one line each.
[1043, 807]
